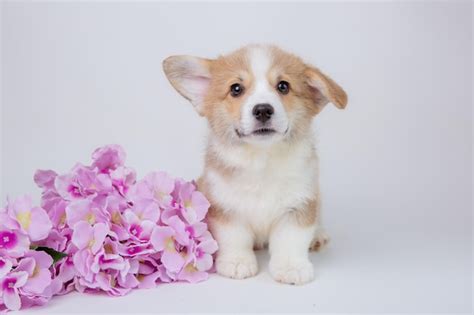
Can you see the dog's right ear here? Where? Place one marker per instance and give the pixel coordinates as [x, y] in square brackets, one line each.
[330, 90]
[190, 76]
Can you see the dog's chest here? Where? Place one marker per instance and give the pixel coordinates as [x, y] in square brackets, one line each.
[266, 186]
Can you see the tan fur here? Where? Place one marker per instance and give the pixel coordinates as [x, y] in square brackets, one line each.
[331, 89]
[175, 70]
[215, 212]
[219, 106]
[308, 213]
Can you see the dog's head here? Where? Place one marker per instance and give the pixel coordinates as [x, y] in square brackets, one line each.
[257, 94]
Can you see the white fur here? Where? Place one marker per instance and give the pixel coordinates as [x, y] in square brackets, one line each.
[263, 92]
[274, 180]
[288, 247]
[236, 258]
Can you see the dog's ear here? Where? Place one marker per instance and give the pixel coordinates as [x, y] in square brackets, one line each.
[190, 76]
[325, 89]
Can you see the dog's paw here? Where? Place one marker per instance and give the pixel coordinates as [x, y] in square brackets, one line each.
[237, 266]
[291, 271]
[319, 241]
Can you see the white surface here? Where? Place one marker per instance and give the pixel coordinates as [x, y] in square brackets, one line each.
[396, 166]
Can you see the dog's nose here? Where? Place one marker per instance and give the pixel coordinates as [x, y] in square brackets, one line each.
[263, 112]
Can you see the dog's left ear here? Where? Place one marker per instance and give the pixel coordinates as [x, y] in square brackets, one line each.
[325, 88]
[190, 76]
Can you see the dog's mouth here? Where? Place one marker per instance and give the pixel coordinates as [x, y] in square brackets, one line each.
[263, 132]
[260, 132]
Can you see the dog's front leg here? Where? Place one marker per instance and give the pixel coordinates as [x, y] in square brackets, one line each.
[289, 241]
[235, 257]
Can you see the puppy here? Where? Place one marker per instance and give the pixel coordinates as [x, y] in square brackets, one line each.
[261, 168]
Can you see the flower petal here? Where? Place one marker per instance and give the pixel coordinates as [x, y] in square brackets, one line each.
[100, 232]
[162, 183]
[45, 178]
[82, 234]
[209, 246]
[19, 248]
[77, 211]
[159, 236]
[41, 224]
[204, 263]
[148, 281]
[42, 259]
[5, 266]
[147, 229]
[39, 282]
[108, 157]
[178, 226]
[11, 299]
[27, 265]
[173, 261]
[198, 229]
[21, 278]
[146, 210]
[200, 205]
[190, 274]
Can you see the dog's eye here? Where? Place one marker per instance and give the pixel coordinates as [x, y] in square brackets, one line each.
[283, 87]
[236, 89]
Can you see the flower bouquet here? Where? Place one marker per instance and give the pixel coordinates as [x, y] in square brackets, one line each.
[99, 230]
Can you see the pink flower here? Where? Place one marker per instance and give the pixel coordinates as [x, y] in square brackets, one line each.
[51, 201]
[36, 264]
[6, 265]
[85, 210]
[135, 249]
[139, 230]
[58, 240]
[155, 186]
[7, 221]
[170, 239]
[146, 210]
[81, 183]
[93, 183]
[45, 179]
[9, 286]
[13, 243]
[107, 232]
[199, 259]
[109, 258]
[191, 274]
[64, 273]
[108, 158]
[83, 260]
[204, 251]
[56, 208]
[148, 281]
[34, 221]
[123, 178]
[115, 206]
[107, 270]
[194, 204]
[87, 236]
[161, 185]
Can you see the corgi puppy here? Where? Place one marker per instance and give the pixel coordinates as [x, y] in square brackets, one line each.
[261, 168]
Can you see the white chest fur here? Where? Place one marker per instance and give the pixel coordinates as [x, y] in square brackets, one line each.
[269, 181]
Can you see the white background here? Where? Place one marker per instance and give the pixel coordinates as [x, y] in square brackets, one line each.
[396, 166]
